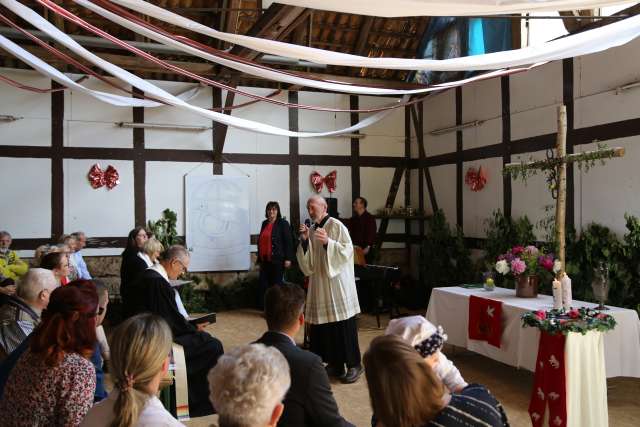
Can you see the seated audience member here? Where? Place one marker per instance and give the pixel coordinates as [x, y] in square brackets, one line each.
[151, 251]
[309, 401]
[53, 381]
[132, 265]
[58, 263]
[81, 242]
[21, 313]
[102, 346]
[428, 340]
[40, 252]
[11, 266]
[141, 346]
[248, 385]
[405, 392]
[153, 293]
[69, 245]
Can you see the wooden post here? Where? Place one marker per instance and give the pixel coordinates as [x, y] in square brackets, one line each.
[561, 202]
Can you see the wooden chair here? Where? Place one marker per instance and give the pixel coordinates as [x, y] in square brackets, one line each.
[174, 392]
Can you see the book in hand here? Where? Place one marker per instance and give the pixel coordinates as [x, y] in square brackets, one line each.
[178, 283]
[202, 318]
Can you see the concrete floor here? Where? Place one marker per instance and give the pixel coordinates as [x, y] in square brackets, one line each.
[511, 386]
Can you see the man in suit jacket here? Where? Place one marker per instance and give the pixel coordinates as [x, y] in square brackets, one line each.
[309, 401]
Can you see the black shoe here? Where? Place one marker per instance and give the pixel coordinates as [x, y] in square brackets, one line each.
[352, 375]
[335, 372]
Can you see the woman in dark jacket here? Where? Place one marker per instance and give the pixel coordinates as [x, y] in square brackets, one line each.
[275, 248]
[132, 265]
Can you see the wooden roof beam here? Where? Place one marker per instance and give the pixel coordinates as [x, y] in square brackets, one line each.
[272, 24]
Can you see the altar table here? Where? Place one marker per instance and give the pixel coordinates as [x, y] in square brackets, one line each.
[449, 307]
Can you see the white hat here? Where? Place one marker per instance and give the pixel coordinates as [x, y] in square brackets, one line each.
[415, 330]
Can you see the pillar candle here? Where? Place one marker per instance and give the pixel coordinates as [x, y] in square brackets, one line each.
[566, 292]
[557, 294]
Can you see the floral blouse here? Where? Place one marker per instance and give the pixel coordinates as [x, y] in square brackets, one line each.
[40, 395]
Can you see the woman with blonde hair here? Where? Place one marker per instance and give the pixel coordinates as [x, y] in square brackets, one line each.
[139, 360]
[151, 251]
[406, 392]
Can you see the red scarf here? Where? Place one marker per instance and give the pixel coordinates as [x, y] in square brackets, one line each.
[549, 382]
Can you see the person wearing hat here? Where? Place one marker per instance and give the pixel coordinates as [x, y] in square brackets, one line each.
[428, 340]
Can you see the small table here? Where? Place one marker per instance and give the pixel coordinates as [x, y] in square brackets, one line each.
[449, 307]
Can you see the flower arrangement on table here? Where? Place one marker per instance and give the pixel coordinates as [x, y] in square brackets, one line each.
[580, 320]
[527, 260]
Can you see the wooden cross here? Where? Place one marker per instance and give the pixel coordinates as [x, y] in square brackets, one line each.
[558, 164]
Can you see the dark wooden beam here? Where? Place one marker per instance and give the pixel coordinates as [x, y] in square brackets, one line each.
[506, 142]
[459, 160]
[219, 129]
[360, 47]
[391, 199]
[417, 112]
[355, 150]
[271, 25]
[139, 166]
[294, 164]
[567, 99]
[57, 162]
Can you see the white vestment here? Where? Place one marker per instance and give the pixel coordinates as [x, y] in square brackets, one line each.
[332, 295]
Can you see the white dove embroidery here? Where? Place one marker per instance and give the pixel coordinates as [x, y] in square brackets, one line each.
[541, 364]
[553, 395]
[490, 311]
[540, 393]
[554, 362]
[535, 416]
[557, 420]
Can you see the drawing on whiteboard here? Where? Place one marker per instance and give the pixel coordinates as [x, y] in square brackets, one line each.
[218, 222]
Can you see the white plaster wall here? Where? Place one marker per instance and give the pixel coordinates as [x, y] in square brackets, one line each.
[606, 193]
[439, 113]
[242, 141]
[386, 137]
[26, 195]
[478, 206]
[319, 121]
[343, 188]
[482, 101]
[488, 133]
[595, 83]
[98, 212]
[444, 185]
[537, 88]
[92, 123]
[34, 127]
[175, 139]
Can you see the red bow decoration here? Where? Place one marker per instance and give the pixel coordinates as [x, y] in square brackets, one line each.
[476, 179]
[98, 178]
[318, 180]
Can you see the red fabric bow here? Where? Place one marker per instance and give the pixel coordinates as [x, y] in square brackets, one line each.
[318, 180]
[476, 179]
[549, 382]
[98, 178]
[485, 320]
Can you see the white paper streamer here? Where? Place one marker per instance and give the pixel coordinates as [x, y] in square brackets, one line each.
[42, 24]
[397, 8]
[271, 74]
[592, 41]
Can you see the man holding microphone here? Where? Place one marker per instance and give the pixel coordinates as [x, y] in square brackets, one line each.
[325, 255]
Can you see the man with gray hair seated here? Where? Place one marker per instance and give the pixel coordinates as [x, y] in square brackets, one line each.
[152, 292]
[21, 312]
[248, 385]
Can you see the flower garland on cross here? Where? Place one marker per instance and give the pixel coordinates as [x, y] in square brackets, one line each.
[555, 166]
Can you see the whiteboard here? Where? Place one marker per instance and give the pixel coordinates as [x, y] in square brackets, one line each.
[217, 222]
